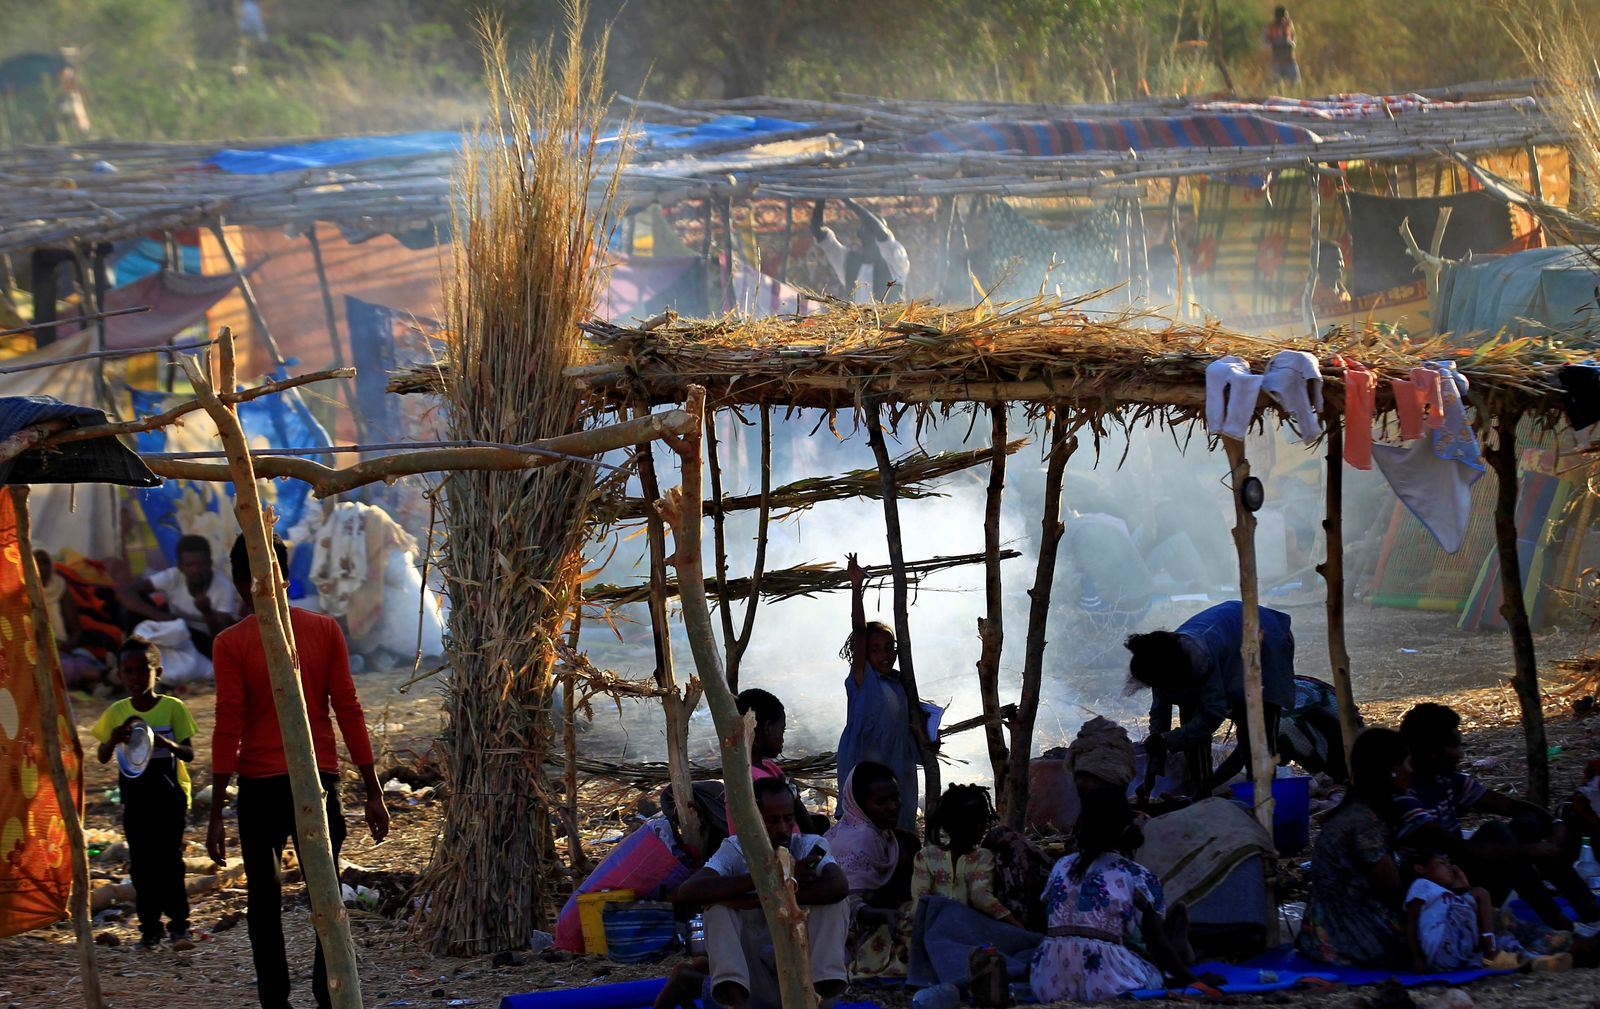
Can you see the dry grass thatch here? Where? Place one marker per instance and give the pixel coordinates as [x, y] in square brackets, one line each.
[1041, 350]
[1556, 40]
[523, 274]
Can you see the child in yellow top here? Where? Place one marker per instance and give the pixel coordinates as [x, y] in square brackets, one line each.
[953, 863]
[155, 798]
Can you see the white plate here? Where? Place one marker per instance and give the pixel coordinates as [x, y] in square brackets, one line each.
[134, 755]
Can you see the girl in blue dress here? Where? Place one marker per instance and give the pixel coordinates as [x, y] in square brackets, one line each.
[877, 724]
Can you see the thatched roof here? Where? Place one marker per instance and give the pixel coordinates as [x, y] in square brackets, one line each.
[863, 147]
[1042, 351]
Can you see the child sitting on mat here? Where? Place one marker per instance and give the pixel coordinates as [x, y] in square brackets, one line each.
[1450, 924]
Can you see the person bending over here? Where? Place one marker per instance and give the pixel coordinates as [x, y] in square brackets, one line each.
[1522, 853]
[738, 943]
[1198, 669]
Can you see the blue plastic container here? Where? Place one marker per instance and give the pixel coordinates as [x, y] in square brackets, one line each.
[1291, 814]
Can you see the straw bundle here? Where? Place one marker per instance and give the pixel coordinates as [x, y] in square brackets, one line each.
[523, 274]
[1559, 42]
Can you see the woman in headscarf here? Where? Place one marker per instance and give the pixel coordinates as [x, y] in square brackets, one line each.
[877, 860]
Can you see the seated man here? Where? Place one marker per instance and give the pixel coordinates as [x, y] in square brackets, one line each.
[192, 592]
[738, 943]
[1199, 669]
[1523, 853]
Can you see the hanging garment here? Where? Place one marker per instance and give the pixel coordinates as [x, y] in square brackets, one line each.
[1408, 407]
[1580, 384]
[1360, 392]
[1428, 383]
[1232, 392]
[1436, 490]
[1294, 380]
[1434, 475]
[1454, 438]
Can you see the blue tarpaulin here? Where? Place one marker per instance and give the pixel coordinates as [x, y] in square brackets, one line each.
[1524, 293]
[348, 150]
[281, 420]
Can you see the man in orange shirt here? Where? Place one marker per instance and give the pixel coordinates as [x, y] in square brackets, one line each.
[248, 742]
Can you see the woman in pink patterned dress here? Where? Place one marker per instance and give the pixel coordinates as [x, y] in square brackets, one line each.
[1107, 936]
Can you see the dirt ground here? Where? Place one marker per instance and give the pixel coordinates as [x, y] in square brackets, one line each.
[1399, 658]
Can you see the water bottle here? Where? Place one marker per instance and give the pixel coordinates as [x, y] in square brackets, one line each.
[940, 996]
[1587, 866]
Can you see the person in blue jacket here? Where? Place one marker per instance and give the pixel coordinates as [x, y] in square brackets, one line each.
[1199, 670]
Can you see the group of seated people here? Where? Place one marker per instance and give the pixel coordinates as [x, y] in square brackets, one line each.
[881, 903]
[1397, 883]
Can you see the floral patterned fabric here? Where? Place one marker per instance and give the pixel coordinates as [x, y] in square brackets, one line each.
[1346, 922]
[1109, 898]
[967, 880]
[1021, 872]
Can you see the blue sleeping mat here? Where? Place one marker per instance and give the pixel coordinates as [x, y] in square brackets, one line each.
[622, 995]
[1289, 967]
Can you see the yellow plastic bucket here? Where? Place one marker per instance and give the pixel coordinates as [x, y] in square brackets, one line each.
[590, 906]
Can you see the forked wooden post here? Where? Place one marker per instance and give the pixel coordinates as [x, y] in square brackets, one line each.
[991, 627]
[1332, 572]
[1261, 763]
[1502, 458]
[1244, 541]
[45, 663]
[683, 508]
[902, 604]
[1063, 443]
[676, 705]
[267, 590]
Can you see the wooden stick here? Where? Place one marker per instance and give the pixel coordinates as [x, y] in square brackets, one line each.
[172, 416]
[1332, 572]
[93, 317]
[786, 921]
[719, 550]
[902, 617]
[1244, 541]
[1063, 443]
[1308, 305]
[332, 319]
[29, 437]
[675, 705]
[45, 675]
[569, 747]
[268, 587]
[245, 291]
[991, 627]
[740, 642]
[1502, 458]
[326, 481]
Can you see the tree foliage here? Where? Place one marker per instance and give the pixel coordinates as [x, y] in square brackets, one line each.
[175, 68]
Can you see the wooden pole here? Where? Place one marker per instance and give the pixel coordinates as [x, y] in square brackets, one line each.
[675, 707]
[902, 603]
[44, 683]
[257, 320]
[1332, 572]
[268, 588]
[1308, 303]
[681, 508]
[569, 750]
[1502, 458]
[1215, 45]
[1244, 541]
[1535, 183]
[332, 319]
[991, 627]
[1063, 443]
